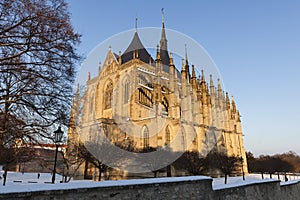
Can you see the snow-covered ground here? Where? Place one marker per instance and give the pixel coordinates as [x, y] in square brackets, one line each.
[218, 183]
[25, 182]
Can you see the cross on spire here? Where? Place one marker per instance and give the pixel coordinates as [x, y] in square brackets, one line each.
[136, 19]
[163, 15]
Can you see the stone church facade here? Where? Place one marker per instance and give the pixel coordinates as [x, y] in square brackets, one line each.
[153, 104]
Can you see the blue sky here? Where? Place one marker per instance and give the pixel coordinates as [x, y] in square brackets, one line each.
[255, 45]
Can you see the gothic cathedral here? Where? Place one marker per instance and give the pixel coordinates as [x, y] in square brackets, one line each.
[153, 104]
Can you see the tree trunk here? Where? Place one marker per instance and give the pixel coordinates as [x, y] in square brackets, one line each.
[85, 173]
[262, 175]
[100, 172]
[225, 178]
[4, 176]
[285, 177]
[169, 171]
[155, 174]
[270, 175]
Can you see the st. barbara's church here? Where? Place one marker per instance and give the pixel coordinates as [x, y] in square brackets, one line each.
[166, 105]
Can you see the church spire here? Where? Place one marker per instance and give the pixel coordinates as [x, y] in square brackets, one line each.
[165, 59]
[183, 71]
[187, 67]
[220, 91]
[193, 79]
[163, 39]
[227, 101]
[186, 56]
[202, 76]
[158, 58]
[193, 72]
[233, 105]
[211, 84]
[171, 59]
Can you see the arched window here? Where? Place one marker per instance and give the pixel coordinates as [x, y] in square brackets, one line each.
[168, 136]
[145, 137]
[145, 97]
[126, 91]
[108, 95]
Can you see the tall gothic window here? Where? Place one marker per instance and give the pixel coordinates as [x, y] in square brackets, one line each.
[108, 95]
[168, 136]
[145, 97]
[145, 137]
[126, 91]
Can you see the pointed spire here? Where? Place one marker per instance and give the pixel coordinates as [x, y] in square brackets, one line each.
[183, 71]
[171, 59]
[164, 55]
[219, 85]
[211, 81]
[202, 75]
[186, 57]
[89, 76]
[172, 73]
[187, 68]
[193, 72]
[163, 39]
[238, 116]
[194, 81]
[227, 101]
[219, 90]
[157, 53]
[233, 105]
[182, 65]
[211, 84]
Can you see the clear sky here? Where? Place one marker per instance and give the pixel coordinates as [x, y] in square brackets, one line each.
[255, 45]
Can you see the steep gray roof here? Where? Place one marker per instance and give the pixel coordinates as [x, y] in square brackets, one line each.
[136, 44]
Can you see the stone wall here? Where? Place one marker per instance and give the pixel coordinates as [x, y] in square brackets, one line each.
[255, 191]
[166, 189]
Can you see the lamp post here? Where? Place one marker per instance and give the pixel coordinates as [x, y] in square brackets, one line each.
[242, 163]
[58, 137]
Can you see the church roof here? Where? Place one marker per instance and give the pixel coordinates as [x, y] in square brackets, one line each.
[143, 54]
[136, 44]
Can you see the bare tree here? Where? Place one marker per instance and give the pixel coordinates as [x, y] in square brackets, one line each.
[192, 162]
[37, 69]
[222, 162]
[270, 164]
[10, 156]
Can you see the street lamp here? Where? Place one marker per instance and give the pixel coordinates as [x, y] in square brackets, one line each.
[58, 137]
[242, 162]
